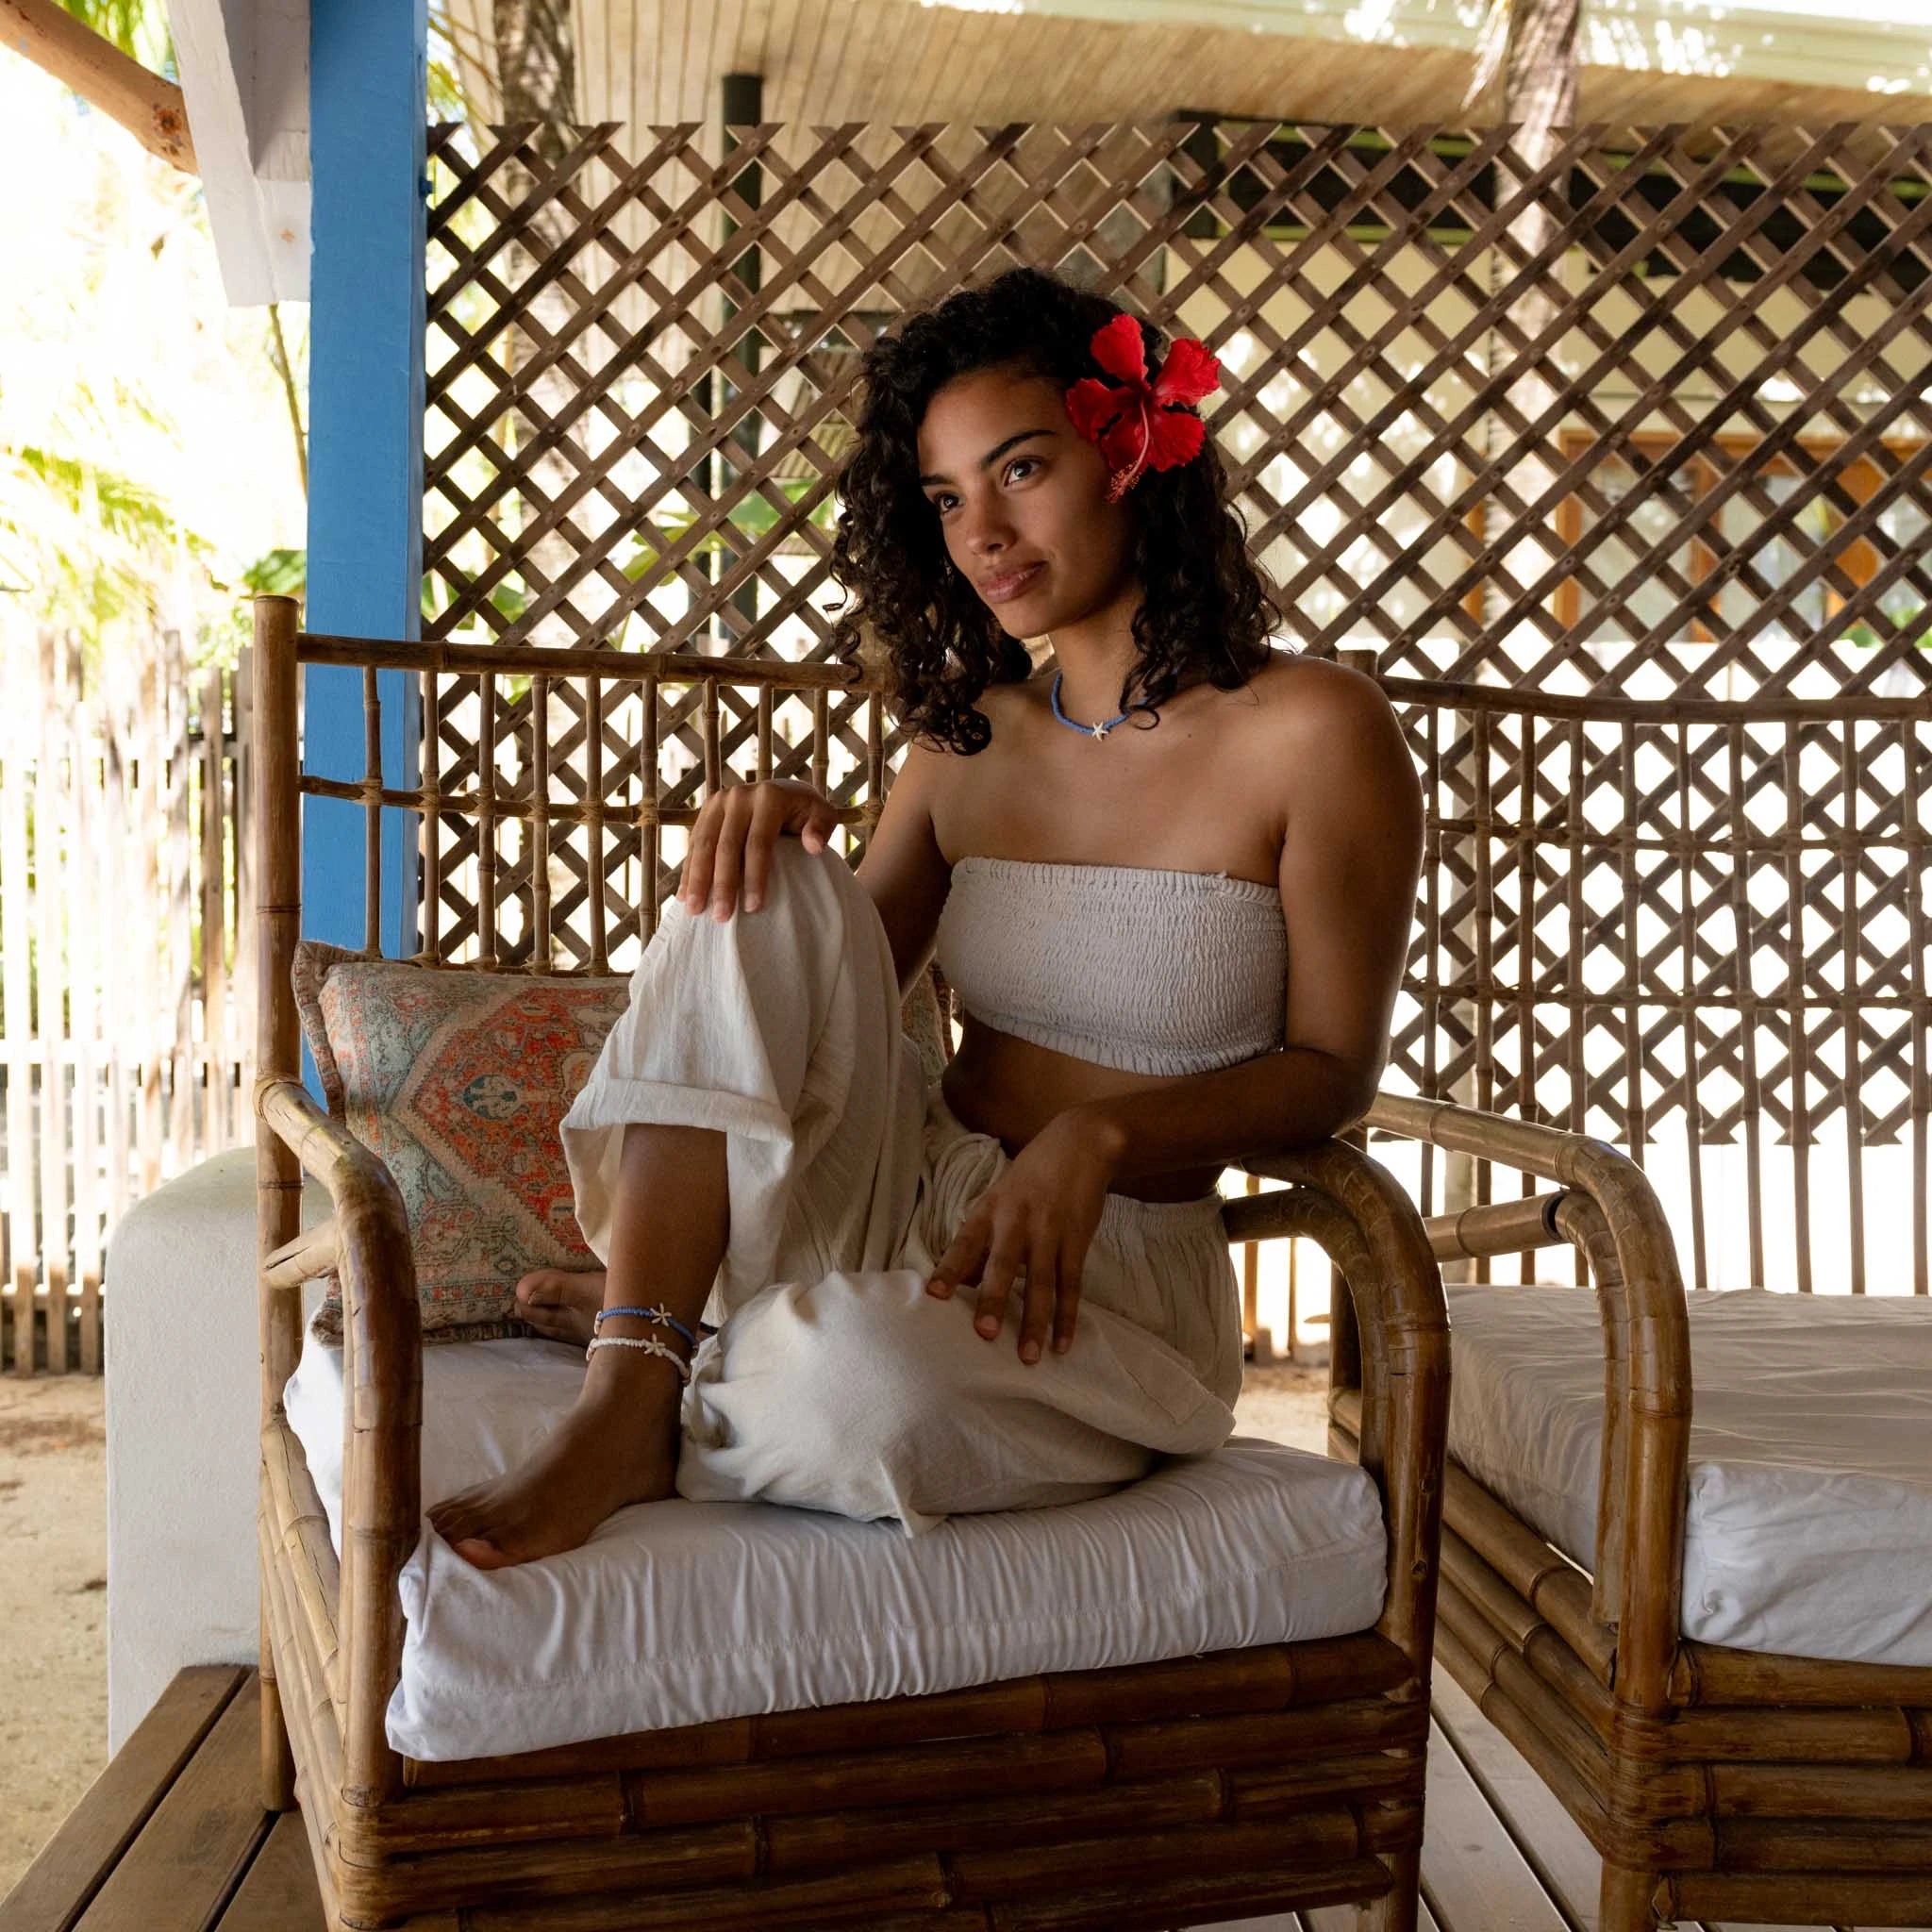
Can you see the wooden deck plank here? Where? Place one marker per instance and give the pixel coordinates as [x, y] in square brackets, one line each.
[1734, 1925]
[179, 1872]
[1551, 1842]
[1474, 1877]
[1336, 1919]
[61, 1884]
[278, 1893]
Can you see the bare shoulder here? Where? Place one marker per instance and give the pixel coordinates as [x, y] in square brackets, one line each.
[1339, 745]
[1313, 696]
[1012, 700]
[1322, 708]
[931, 764]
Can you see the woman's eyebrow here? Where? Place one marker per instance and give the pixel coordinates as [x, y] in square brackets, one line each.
[993, 455]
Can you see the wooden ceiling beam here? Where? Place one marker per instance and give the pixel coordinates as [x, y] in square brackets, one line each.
[151, 109]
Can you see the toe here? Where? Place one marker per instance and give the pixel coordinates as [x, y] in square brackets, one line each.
[480, 1552]
[549, 1318]
[539, 1288]
[455, 1517]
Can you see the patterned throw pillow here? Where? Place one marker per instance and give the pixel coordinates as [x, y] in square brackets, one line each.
[459, 1081]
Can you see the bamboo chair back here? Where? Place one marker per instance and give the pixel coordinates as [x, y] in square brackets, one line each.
[1695, 930]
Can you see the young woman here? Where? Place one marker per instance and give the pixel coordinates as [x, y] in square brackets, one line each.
[1172, 876]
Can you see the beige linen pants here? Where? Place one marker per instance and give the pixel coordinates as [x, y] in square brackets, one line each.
[835, 1381]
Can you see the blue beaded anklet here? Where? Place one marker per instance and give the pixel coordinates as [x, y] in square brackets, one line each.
[660, 1313]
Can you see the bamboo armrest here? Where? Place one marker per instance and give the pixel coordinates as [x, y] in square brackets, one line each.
[1360, 1214]
[1609, 1211]
[382, 1412]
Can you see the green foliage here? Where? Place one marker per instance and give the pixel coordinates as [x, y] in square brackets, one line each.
[138, 28]
[446, 101]
[757, 516]
[83, 531]
[1867, 639]
[508, 599]
[280, 574]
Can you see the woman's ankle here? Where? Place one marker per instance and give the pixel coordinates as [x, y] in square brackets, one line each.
[635, 1389]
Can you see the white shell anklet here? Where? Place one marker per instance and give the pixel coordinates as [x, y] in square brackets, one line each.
[648, 1343]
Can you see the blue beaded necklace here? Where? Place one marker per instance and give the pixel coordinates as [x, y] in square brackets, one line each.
[1085, 731]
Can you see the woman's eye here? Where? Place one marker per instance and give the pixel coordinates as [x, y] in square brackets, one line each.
[939, 501]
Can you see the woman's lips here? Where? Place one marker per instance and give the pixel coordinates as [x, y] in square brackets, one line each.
[1001, 590]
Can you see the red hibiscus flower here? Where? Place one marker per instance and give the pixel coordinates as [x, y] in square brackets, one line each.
[1138, 423]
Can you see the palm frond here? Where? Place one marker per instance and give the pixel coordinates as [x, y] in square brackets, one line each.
[138, 28]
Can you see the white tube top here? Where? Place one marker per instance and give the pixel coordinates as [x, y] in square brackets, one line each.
[1144, 968]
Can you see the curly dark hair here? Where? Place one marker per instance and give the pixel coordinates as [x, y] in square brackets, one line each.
[1206, 611]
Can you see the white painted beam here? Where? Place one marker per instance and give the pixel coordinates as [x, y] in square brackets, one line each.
[245, 71]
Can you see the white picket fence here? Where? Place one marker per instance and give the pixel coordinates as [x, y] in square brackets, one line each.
[125, 1055]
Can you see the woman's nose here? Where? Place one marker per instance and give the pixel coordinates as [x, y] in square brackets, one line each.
[988, 532]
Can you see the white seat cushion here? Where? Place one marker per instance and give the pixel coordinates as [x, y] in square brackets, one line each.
[1808, 1529]
[677, 1612]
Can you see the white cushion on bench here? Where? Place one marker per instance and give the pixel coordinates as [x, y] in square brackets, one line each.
[1808, 1529]
[678, 1612]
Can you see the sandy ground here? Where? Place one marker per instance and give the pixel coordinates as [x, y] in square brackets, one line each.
[1287, 1404]
[53, 1606]
[53, 1584]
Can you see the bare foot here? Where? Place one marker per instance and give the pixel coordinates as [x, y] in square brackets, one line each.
[562, 1304]
[617, 1445]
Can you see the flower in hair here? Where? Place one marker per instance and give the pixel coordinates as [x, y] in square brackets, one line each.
[1143, 423]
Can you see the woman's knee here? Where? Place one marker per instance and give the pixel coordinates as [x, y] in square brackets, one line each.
[817, 878]
[807, 904]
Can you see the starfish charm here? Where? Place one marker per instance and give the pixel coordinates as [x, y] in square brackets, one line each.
[1100, 731]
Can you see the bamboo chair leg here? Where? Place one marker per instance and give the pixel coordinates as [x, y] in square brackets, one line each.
[1397, 1910]
[1624, 1900]
[277, 1758]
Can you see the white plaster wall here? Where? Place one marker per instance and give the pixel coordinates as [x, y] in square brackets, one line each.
[183, 1432]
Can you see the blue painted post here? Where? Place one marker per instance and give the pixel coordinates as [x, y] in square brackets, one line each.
[367, 109]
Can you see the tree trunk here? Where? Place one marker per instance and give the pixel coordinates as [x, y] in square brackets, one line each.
[536, 66]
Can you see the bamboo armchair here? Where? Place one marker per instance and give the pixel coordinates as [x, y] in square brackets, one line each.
[1160, 1794]
[1715, 1783]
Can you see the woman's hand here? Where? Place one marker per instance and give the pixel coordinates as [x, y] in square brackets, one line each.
[1039, 1217]
[732, 840]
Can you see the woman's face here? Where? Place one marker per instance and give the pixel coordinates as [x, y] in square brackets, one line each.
[1018, 491]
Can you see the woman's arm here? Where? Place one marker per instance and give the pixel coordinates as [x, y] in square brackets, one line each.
[903, 868]
[1351, 859]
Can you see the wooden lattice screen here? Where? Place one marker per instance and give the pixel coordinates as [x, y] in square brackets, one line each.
[1728, 459]
[1697, 930]
[1624, 451]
